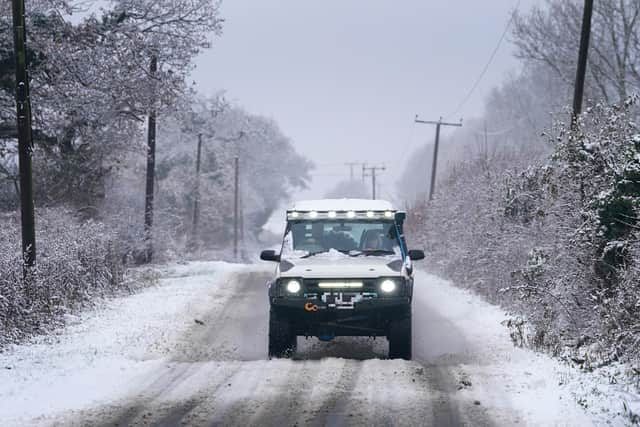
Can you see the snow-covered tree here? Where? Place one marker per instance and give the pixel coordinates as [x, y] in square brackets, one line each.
[551, 34]
[270, 169]
[92, 86]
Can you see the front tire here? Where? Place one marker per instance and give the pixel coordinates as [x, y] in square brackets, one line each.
[282, 339]
[400, 339]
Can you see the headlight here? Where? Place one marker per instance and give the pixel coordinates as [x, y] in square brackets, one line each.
[293, 286]
[388, 286]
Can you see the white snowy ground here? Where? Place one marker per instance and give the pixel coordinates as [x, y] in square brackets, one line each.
[192, 350]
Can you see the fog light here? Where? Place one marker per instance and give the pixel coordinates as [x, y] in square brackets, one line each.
[293, 286]
[388, 286]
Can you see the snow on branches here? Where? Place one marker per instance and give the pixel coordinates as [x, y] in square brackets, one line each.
[556, 243]
[92, 87]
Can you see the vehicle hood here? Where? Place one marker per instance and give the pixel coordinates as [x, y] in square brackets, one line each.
[337, 268]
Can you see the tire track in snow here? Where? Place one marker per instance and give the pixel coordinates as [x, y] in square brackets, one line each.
[199, 344]
[217, 374]
[153, 404]
[442, 349]
[237, 332]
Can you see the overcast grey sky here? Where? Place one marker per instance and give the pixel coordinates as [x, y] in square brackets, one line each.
[345, 78]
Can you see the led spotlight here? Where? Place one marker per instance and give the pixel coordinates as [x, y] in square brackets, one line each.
[388, 286]
[293, 286]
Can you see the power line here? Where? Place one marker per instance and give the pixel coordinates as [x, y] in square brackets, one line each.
[486, 67]
[329, 165]
[495, 132]
[346, 174]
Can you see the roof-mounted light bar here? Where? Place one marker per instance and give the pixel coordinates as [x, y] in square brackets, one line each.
[350, 214]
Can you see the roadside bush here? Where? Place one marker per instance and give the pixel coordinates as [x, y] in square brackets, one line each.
[557, 244]
[76, 262]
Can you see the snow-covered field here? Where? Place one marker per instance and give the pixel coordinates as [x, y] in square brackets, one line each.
[192, 350]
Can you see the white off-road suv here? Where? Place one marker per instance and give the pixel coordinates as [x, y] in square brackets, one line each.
[343, 270]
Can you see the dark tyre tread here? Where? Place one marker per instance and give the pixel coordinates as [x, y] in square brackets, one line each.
[282, 341]
[400, 339]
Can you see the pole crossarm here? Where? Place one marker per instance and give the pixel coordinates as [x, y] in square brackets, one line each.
[431, 122]
[435, 122]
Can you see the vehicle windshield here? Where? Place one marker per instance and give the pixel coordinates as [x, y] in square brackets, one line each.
[351, 237]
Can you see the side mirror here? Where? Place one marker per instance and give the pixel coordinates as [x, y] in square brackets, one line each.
[270, 255]
[416, 254]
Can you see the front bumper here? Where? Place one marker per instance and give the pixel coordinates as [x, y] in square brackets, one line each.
[313, 317]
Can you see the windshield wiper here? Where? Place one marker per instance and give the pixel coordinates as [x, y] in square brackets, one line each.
[373, 252]
[310, 254]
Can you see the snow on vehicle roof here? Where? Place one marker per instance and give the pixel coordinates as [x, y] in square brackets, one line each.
[342, 205]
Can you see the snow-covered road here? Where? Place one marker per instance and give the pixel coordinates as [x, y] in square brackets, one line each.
[192, 351]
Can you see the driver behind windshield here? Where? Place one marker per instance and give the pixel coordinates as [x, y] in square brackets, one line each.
[371, 241]
[344, 236]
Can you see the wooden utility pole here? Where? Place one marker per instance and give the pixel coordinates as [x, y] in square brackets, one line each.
[373, 183]
[235, 207]
[578, 90]
[434, 165]
[196, 196]
[373, 170]
[151, 168]
[241, 225]
[25, 142]
[351, 165]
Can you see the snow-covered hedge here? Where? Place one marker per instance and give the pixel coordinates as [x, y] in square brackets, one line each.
[558, 244]
[76, 261]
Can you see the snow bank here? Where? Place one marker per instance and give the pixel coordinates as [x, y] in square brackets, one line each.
[103, 351]
[469, 334]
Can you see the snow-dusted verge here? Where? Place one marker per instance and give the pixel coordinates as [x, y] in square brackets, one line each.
[193, 349]
[79, 261]
[102, 351]
[470, 333]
